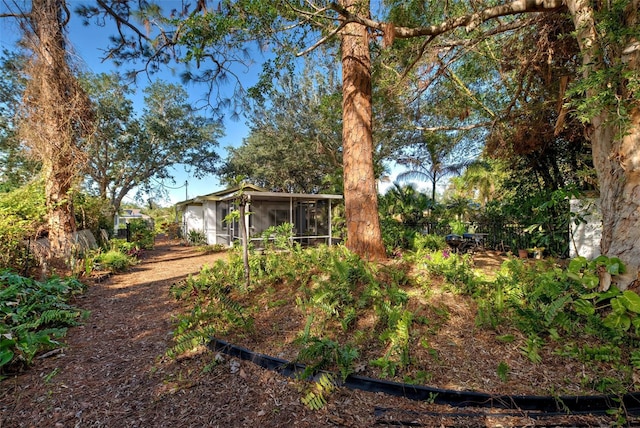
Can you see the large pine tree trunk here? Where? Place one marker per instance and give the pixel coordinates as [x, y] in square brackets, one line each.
[360, 194]
[619, 178]
[55, 113]
[616, 159]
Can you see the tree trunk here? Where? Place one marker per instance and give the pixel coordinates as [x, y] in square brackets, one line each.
[360, 194]
[61, 215]
[616, 159]
[617, 162]
[242, 208]
[54, 113]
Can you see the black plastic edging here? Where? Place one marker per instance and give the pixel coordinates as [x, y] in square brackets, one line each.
[567, 404]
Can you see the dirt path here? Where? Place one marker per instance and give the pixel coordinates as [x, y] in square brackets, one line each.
[113, 373]
[105, 373]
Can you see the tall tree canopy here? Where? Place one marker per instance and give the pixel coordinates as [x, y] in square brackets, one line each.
[294, 144]
[128, 151]
[295, 141]
[16, 168]
[432, 159]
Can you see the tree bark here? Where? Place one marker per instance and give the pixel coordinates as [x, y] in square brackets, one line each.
[49, 126]
[616, 154]
[620, 202]
[364, 236]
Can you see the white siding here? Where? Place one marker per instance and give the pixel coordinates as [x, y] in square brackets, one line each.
[193, 219]
[210, 229]
[585, 237]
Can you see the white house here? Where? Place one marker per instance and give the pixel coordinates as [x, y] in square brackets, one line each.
[128, 214]
[310, 214]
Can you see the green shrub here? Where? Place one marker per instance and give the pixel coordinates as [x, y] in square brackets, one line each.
[93, 213]
[114, 261]
[395, 235]
[172, 229]
[278, 237]
[22, 214]
[195, 237]
[428, 242]
[34, 316]
[142, 233]
[458, 227]
[131, 249]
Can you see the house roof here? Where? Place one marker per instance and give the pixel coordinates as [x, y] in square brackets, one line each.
[132, 213]
[254, 193]
[285, 196]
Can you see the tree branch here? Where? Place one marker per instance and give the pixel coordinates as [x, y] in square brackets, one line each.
[469, 21]
[454, 128]
[16, 15]
[322, 40]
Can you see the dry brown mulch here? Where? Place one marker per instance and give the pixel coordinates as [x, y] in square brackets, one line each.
[113, 373]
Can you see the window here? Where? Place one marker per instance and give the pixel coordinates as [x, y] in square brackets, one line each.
[224, 212]
[278, 217]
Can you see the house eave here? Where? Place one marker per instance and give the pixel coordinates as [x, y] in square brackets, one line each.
[258, 195]
[279, 196]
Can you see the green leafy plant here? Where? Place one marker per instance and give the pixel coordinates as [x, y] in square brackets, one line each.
[190, 340]
[316, 397]
[215, 310]
[585, 272]
[142, 233]
[625, 309]
[531, 348]
[114, 261]
[278, 237]
[420, 378]
[387, 366]
[196, 237]
[454, 268]
[503, 371]
[395, 236]
[22, 212]
[624, 306]
[34, 315]
[334, 294]
[398, 336]
[429, 242]
[458, 227]
[131, 249]
[321, 353]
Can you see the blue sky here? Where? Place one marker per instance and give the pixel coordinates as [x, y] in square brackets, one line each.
[88, 42]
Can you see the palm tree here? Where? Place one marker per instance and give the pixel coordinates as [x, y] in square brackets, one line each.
[480, 181]
[429, 161]
[406, 204]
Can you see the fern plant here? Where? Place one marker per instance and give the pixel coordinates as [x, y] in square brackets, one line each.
[532, 347]
[316, 396]
[34, 316]
[190, 340]
[503, 371]
[322, 353]
[397, 336]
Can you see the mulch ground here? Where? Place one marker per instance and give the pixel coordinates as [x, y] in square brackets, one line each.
[114, 373]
